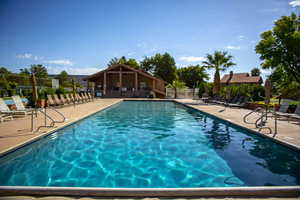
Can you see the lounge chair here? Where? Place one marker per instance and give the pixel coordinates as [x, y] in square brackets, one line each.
[70, 98]
[4, 117]
[83, 97]
[4, 109]
[295, 115]
[78, 98]
[283, 108]
[63, 99]
[19, 105]
[51, 101]
[242, 101]
[86, 96]
[90, 96]
[58, 100]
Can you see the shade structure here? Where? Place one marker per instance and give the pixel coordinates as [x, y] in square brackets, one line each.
[268, 87]
[34, 90]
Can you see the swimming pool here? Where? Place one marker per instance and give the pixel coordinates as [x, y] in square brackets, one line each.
[138, 144]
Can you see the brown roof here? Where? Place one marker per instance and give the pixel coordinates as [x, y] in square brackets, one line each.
[142, 72]
[241, 78]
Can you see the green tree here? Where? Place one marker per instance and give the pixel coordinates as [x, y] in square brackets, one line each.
[63, 78]
[176, 84]
[123, 60]
[192, 75]
[280, 47]
[4, 71]
[24, 72]
[160, 65]
[255, 72]
[219, 61]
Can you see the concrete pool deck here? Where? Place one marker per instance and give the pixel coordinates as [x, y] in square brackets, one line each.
[288, 132]
[16, 133]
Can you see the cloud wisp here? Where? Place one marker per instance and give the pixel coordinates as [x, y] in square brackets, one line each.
[192, 59]
[295, 3]
[64, 62]
[233, 47]
[24, 56]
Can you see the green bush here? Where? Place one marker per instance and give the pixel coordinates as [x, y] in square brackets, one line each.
[201, 89]
[254, 92]
[61, 90]
[49, 91]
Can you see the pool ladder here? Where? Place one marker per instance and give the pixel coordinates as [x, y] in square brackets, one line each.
[261, 122]
[47, 116]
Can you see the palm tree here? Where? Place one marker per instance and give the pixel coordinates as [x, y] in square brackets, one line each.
[220, 61]
[176, 84]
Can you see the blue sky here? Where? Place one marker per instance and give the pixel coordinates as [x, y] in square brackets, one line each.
[82, 36]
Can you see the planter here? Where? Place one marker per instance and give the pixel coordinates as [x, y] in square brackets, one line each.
[41, 103]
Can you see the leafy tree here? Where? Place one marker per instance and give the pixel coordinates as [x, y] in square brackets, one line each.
[130, 62]
[161, 66]
[219, 61]
[255, 72]
[4, 71]
[280, 47]
[192, 75]
[63, 78]
[176, 84]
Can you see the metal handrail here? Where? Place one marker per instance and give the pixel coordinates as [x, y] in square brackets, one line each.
[248, 114]
[261, 121]
[50, 118]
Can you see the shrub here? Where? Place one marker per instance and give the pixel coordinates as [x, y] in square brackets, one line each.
[254, 92]
[61, 90]
[201, 89]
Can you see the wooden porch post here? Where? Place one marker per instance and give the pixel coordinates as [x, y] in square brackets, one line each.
[120, 78]
[104, 84]
[136, 81]
[153, 84]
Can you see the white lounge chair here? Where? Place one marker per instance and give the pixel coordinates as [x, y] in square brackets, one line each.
[4, 109]
[4, 117]
[19, 105]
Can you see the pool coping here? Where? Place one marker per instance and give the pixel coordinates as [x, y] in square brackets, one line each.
[268, 191]
[272, 191]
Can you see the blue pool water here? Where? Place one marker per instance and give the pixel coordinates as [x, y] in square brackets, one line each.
[151, 144]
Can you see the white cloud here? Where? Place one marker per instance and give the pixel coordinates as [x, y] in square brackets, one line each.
[295, 3]
[233, 47]
[130, 53]
[192, 59]
[29, 56]
[25, 55]
[65, 62]
[241, 37]
[73, 70]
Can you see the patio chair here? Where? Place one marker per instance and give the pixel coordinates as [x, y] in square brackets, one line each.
[69, 98]
[87, 97]
[4, 117]
[19, 104]
[57, 100]
[240, 103]
[4, 109]
[295, 115]
[63, 99]
[51, 101]
[90, 96]
[283, 108]
[78, 98]
[84, 98]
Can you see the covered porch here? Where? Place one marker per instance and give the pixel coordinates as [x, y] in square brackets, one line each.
[126, 82]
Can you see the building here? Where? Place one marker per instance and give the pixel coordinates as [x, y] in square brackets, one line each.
[124, 81]
[240, 78]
